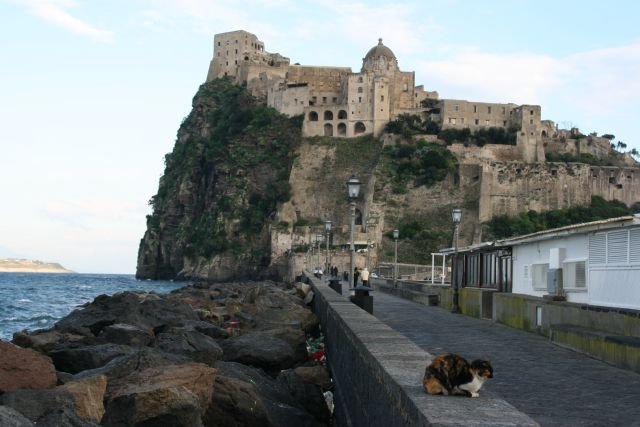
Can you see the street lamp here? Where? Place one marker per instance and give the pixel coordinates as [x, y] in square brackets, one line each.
[456, 217]
[396, 234]
[327, 229]
[353, 189]
[318, 239]
[368, 249]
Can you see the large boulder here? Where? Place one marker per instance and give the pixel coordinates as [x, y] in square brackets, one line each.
[9, 417]
[262, 349]
[45, 340]
[236, 403]
[189, 343]
[125, 334]
[88, 395]
[281, 408]
[310, 396]
[75, 358]
[23, 368]
[316, 374]
[173, 395]
[36, 404]
[146, 310]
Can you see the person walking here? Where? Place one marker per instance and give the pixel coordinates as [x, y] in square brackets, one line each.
[365, 277]
[356, 274]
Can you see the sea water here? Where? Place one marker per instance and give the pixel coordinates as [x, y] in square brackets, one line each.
[37, 300]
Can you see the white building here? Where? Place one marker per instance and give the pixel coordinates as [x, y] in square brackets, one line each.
[595, 263]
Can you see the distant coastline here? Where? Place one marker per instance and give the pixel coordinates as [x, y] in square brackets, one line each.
[15, 265]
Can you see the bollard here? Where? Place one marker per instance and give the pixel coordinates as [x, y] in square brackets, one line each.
[336, 285]
[362, 298]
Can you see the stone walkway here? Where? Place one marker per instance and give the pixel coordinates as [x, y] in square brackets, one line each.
[553, 385]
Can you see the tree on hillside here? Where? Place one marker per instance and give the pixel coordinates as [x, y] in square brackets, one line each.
[621, 145]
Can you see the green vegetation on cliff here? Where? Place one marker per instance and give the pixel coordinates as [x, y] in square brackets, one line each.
[223, 180]
[530, 222]
[423, 163]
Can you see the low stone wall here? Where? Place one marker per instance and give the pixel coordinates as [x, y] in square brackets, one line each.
[378, 374]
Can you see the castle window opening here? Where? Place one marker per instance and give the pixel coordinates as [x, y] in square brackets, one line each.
[359, 99]
[335, 100]
[475, 109]
[489, 110]
[313, 116]
[342, 114]
[531, 121]
[381, 97]
[246, 58]
[328, 129]
[227, 62]
[359, 128]
[218, 43]
[531, 112]
[360, 89]
[328, 115]
[360, 79]
[619, 186]
[612, 180]
[544, 133]
[236, 62]
[324, 99]
[227, 53]
[342, 129]
[456, 108]
[504, 110]
[477, 121]
[504, 123]
[236, 49]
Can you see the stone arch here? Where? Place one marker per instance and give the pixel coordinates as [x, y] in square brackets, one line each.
[246, 58]
[328, 129]
[328, 115]
[313, 116]
[544, 133]
[342, 114]
[360, 79]
[359, 128]
[342, 129]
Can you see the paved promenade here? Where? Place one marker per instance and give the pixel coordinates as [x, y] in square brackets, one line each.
[554, 386]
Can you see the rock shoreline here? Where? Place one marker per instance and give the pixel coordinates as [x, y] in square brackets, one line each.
[229, 354]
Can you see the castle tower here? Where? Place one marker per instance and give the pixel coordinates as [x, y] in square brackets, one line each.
[380, 60]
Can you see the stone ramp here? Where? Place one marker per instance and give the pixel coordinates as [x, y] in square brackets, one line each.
[555, 386]
[378, 374]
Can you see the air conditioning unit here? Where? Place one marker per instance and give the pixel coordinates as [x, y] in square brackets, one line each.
[554, 282]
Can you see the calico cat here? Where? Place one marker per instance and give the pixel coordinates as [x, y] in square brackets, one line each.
[452, 374]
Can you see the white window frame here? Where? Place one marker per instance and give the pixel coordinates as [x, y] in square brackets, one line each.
[532, 273]
[568, 275]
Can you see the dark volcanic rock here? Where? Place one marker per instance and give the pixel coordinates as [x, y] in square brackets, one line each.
[310, 396]
[75, 359]
[236, 403]
[125, 334]
[281, 408]
[261, 349]
[35, 404]
[144, 310]
[189, 343]
[9, 417]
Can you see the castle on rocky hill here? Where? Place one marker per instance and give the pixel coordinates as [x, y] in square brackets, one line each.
[338, 102]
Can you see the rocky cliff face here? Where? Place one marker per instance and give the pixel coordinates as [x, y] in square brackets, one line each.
[221, 185]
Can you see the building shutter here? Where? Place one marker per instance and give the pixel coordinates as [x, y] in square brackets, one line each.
[598, 248]
[617, 247]
[634, 246]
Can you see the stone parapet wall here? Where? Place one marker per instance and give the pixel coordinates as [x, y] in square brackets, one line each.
[378, 374]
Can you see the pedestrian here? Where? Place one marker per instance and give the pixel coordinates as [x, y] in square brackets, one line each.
[345, 276]
[356, 274]
[365, 277]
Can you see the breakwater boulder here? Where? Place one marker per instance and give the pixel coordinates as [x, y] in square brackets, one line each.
[206, 354]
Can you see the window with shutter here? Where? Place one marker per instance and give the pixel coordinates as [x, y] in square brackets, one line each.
[598, 248]
[634, 246]
[617, 247]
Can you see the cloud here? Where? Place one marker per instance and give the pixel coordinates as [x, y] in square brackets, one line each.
[591, 82]
[53, 11]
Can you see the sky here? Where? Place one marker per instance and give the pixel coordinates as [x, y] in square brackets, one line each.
[92, 92]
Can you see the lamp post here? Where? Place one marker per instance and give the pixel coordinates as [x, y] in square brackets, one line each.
[318, 239]
[396, 234]
[368, 249]
[456, 217]
[353, 189]
[327, 229]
